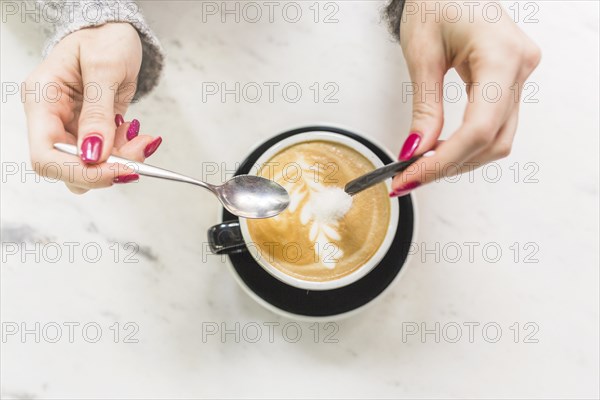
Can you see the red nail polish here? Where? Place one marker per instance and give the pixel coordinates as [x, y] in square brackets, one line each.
[91, 148]
[410, 146]
[133, 130]
[126, 178]
[119, 120]
[152, 146]
[405, 189]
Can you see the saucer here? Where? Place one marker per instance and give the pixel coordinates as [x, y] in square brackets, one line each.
[312, 304]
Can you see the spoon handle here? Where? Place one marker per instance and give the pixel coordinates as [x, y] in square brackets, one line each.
[379, 175]
[140, 168]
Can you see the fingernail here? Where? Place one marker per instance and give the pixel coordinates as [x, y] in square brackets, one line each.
[119, 120]
[405, 189]
[126, 178]
[152, 146]
[410, 146]
[133, 130]
[91, 148]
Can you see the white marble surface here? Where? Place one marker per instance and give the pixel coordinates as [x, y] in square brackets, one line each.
[171, 292]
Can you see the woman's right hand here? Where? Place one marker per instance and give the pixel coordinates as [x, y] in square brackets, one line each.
[484, 53]
[73, 97]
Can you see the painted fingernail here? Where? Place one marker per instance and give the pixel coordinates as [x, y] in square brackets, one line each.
[133, 130]
[91, 148]
[152, 146]
[405, 189]
[126, 178]
[410, 146]
[119, 120]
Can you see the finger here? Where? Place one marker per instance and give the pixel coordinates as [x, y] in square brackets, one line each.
[120, 133]
[484, 116]
[119, 120]
[125, 132]
[501, 110]
[488, 109]
[137, 149]
[428, 110]
[97, 120]
[76, 189]
[500, 147]
[77, 174]
[45, 129]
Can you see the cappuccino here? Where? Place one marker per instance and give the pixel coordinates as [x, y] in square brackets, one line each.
[324, 234]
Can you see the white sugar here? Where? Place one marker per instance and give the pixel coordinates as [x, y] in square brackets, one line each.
[330, 204]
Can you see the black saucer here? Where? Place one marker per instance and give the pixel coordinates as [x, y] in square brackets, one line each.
[325, 303]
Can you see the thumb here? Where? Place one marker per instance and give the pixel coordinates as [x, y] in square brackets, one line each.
[97, 119]
[427, 113]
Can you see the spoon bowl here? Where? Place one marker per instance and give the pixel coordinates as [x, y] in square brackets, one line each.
[253, 196]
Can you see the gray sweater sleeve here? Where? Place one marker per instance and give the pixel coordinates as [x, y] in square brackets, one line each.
[393, 15]
[67, 16]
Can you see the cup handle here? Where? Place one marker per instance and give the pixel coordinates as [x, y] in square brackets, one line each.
[226, 238]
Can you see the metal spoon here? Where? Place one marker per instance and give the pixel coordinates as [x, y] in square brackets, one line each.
[243, 195]
[380, 174]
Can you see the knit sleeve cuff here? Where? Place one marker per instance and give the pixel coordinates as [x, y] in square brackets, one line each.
[71, 16]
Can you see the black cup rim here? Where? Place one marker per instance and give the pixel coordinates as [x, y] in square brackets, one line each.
[333, 302]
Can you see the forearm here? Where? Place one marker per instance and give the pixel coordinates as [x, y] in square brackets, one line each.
[68, 16]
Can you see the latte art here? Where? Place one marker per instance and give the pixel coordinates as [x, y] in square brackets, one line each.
[324, 234]
[322, 210]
